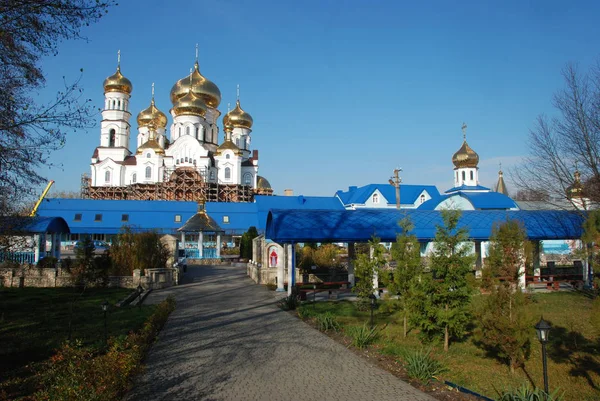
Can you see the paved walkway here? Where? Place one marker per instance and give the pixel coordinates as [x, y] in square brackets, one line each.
[228, 340]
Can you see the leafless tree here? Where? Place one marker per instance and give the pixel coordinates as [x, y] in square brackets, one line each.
[568, 141]
[30, 131]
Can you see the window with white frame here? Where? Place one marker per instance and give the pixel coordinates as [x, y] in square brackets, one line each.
[375, 198]
[227, 173]
[422, 198]
[107, 176]
[247, 179]
[148, 172]
[134, 178]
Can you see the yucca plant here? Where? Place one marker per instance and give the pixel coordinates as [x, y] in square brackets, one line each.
[327, 321]
[363, 336]
[289, 303]
[526, 393]
[422, 366]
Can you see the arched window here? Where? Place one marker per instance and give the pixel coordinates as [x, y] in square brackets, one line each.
[111, 138]
[422, 198]
[457, 176]
[134, 178]
[247, 179]
[107, 176]
[227, 156]
[148, 155]
[471, 175]
[212, 175]
[180, 131]
[375, 198]
[148, 172]
[119, 104]
[187, 130]
[463, 176]
[237, 142]
[227, 173]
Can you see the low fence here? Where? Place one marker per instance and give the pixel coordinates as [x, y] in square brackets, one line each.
[58, 277]
[18, 257]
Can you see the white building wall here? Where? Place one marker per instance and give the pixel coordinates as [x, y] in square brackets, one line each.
[466, 176]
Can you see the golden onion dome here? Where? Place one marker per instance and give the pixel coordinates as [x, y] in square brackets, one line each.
[465, 156]
[151, 144]
[201, 87]
[238, 118]
[117, 83]
[152, 116]
[228, 145]
[190, 103]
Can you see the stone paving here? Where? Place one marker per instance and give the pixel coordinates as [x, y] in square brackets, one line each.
[228, 340]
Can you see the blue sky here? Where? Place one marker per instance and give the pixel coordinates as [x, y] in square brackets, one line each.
[343, 92]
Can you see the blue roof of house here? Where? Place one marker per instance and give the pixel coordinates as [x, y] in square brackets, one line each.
[468, 188]
[408, 193]
[479, 200]
[33, 225]
[286, 226]
[144, 215]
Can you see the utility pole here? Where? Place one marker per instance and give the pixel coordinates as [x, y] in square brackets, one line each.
[395, 181]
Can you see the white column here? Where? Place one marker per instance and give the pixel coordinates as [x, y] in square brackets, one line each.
[183, 243]
[200, 244]
[36, 247]
[351, 258]
[290, 269]
[218, 246]
[536, 260]
[375, 274]
[522, 281]
[280, 271]
[478, 259]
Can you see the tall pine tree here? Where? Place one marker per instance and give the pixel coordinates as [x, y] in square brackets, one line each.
[503, 324]
[442, 299]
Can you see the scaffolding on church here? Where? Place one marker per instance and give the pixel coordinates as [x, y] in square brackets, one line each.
[184, 184]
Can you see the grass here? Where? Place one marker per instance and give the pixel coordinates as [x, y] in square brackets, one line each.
[35, 321]
[573, 351]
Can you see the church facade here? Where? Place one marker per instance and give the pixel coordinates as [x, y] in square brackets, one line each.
[181, 161]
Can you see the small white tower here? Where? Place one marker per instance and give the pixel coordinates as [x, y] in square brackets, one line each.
[240, 123]
[465, 162]
[115, 127]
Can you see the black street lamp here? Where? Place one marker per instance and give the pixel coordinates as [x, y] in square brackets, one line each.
[314, 295]
[104, 310]
[140, 289]
[373, 299]
[543, 330]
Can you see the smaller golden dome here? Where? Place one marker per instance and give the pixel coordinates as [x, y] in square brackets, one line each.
[465, 156]
[152, 116]
[575, 190]
[228, 145]
[118, 83]
[262, 183]
[189, 104]
[238, 118]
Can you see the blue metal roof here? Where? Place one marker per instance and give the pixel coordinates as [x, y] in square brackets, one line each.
[33, 225]
[479, 200]
[141, 215]
[285, 226]
[408, 193]
[240, 216]
[468, 188]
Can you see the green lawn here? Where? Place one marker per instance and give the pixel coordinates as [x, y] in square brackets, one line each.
[573, 352]
[35, 321]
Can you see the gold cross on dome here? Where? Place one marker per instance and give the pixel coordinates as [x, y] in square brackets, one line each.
[464, 130]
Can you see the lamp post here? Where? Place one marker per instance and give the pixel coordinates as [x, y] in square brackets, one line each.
[373, 299]
[140, 289]
[314, 295]
[543, 330]
[104, 310]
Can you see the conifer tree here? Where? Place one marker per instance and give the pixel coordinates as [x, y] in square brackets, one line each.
[442, 299]
[406, 253]
[503, 324]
